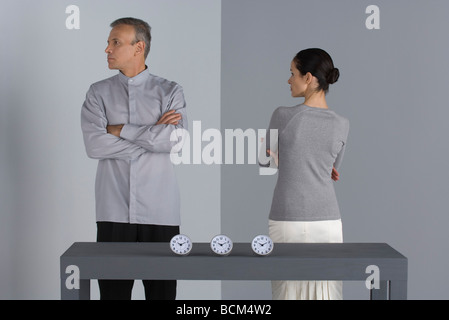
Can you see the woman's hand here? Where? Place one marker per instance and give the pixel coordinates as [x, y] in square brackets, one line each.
[274, 155]
[335, 175]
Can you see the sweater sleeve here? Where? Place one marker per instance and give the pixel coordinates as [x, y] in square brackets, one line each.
[341, 154]
[270, 142]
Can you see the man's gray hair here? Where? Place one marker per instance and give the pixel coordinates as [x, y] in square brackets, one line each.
[143, 31]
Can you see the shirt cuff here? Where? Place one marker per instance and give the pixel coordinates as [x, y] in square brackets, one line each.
[129, 132]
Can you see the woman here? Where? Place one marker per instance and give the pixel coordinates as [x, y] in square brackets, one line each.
[309, 148]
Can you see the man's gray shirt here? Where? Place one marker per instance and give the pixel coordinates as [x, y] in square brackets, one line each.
[310, 142]
[135, 180]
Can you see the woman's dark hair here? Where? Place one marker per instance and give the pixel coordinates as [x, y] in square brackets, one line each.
[319, 63]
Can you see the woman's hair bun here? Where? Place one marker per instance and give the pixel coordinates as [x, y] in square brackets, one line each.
[333, 76]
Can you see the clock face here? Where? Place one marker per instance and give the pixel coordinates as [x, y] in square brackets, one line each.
[221, 244]
[262, 245]
[181, 244]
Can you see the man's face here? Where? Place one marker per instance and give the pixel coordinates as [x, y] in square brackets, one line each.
[120, 50]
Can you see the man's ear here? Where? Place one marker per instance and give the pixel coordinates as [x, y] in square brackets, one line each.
[140, 47]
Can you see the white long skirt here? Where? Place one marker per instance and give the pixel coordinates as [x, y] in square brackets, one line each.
[308, 232]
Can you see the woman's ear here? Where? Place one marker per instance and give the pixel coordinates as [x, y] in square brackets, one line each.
[308, 78]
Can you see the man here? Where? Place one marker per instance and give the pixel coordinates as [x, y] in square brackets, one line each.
[127, 121]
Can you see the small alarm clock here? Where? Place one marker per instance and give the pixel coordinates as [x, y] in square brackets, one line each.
[221, 244]
[262, 245]
[181, 244]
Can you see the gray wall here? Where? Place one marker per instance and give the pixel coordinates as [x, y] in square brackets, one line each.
[393, 89]
[232, 58]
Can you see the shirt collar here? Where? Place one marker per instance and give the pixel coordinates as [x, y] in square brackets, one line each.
[136, 80]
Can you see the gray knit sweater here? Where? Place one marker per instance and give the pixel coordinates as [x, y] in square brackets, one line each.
[310, 142]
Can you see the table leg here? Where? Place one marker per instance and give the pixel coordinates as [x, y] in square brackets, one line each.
[381, 293]
[398, 290]
[83, 293]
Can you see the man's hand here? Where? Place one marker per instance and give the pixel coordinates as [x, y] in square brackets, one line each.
[170, 117]
[335, 175]
[114, 129]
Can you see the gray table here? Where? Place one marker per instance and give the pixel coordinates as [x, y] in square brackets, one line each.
[288, 261]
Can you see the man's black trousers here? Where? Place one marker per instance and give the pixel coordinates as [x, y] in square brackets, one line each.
[126, 232]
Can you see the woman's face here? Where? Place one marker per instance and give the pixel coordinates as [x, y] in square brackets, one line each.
[297, 82]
